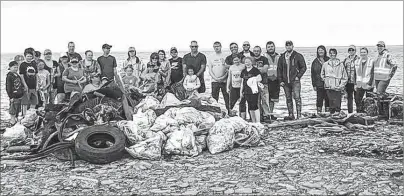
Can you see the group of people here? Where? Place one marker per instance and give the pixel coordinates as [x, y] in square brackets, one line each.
[252, 77]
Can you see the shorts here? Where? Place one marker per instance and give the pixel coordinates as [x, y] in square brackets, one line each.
[273, 90]
[30, 98]
[15, 107]
[252, 101]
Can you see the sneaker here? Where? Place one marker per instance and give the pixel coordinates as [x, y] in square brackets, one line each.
[273, 117]
[289, 118]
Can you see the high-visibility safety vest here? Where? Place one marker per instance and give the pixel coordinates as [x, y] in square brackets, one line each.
[382, 68]
[273, 66]
[363, 73]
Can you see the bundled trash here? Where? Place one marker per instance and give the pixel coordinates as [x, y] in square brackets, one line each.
[182, 142]
[14, 135]
[30, 118]
[149, 149]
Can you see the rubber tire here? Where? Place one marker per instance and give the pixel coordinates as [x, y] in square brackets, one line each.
[100, 155]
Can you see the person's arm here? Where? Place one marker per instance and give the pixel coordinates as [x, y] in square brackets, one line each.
[372, 75]
[393, 64]
[203, 67]
[279, 70]
[259, 78]
[344, 79]
[97, 65]
[22, 72]
[313, 74]
[322, 73]
[210, 66]
[302, 66]
[184, 67]
[9, 86]
[185, 83]
[58, 74]
[241, 88]
[228, 83]
[198, 83]
[48, 79]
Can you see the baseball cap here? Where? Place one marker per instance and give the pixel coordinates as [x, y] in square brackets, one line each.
[246, 43]
[130, 48]
[63, 55]
[173, 48]
[381, 43]
[12, 63]
[289, 43]
[106, 46]
[352, 46]
[47, 51]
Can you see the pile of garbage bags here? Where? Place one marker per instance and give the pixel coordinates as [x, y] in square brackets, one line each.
[184, 131]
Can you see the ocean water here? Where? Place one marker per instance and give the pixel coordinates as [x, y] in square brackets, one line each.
[307, 93]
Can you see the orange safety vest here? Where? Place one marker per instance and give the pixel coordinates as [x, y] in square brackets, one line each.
[273, 66]
[382, 69]
[363, 74]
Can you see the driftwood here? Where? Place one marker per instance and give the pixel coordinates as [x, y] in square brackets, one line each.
[302, 122]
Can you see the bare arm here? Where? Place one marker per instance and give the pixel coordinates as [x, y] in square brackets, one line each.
[202, 70]
[228, 80]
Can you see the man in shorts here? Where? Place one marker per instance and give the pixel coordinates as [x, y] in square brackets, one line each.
[197, 61]
[273, 83]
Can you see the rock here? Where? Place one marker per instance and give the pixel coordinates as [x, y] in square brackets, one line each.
[171, 180]
[311, 185]
[228, 191]
[218, 189]
[107, 182]
[191, 192]
[261, 166]
[271, 181]
[287, 186]
[79, 170]
[365, 193]
[396, 173]
[316, 192]
[243, 191]
[274, 162]
[383, 182]
[357, 163]
[159, 191]
[231, 181]
[347, 180]
[291, 172]
[317, 178]
[183, 185]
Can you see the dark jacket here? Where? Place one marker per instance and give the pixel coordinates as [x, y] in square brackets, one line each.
[14, 86]
[316, 79]
[297, 67]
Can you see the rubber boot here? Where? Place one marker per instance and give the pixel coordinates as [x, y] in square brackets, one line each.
[271, 110]
[290, 111]
[299, 109]
[319, 110]
[327, 109]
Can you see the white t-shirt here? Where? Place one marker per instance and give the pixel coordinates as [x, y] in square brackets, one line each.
[218, 66]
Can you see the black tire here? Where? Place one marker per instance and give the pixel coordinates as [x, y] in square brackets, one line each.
[87, 149]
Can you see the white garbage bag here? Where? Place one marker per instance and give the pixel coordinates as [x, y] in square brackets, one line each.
[169, 100]
[133, 133]
[221, 137]
[149, 149]
[250, 136]
[188, 115]
[30, 118]
[162, 122]
[13, 135]
[147, 103]
[238, 123]
[172, 112]
[181, 142]
[144, 120]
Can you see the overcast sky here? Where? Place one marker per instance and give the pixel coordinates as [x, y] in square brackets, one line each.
[160, 25]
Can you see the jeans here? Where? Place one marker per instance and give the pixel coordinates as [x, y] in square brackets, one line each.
[335, 100]
[322, 98]
[216, 87]
[234, 96]
[381, 86]
[292, 90]
[264, 101]
[202, 89]
[350, 88]
[359, 94]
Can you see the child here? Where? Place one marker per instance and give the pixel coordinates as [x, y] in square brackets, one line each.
[234, 85]
[15, 90]
[130, 80]
[150, 78]
[28, 71]
[250, 78]
[43, 83]
[95, 83]
[191, 82]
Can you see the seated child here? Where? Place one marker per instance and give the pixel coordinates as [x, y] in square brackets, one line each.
[191, 82]
[130, 81]
[95, 83]
[150, 78]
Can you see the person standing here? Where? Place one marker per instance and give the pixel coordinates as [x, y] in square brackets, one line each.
[134, 62]
[176, 66]
[234, 53]
[291, 67]
[246, 50]
[273, 83]
[165, 69]
[74, 78]
[108, 64]
[234, 86]
[44, 82]
[364, 70]
[15, 90]
[349, 64]
[52, 64]
[28, 72]
[71, 53]
[197, 61]
[90, 66]
[250, 78]
[385, 68]
[59, 83]
[317, 81]
[262, 64]
[218, 71]
[335, 78]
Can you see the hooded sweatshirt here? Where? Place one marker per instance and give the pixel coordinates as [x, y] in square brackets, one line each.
[316, 67]
[290, 67]
[334, 75]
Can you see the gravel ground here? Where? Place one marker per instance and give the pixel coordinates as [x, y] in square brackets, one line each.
[293, 161]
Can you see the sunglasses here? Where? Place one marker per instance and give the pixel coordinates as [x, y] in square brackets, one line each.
[131, 51]
[48, 53]
[350, 50]
[155, 58]
[74, 62]
[246, 44]
[194, 46]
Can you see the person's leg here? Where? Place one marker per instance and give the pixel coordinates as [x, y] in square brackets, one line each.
[243, 107]
[289, 102]
[358, 95]
[338, 99]
[273, 90]
[350, 90]
[320, 99]
[296, 95]
[13, 112]
[215, 90]
[326, 100]
[265, 102]
[382, 86]
[253, 108]
[331, 100]
[33, 98]
[225, 95]
[202, 89]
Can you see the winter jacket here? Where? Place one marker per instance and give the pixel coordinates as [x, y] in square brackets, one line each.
[288, 74]
[14, 86]
[316, 79]
[334, 76]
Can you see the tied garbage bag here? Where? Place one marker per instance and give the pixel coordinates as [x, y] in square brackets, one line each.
[250, 136]
[181, 142]
[162, 122]
[201, 143]
[15, 135]
[238, 123]
[149, 149]
[144, 120]
[169, 100]
[221, 137]
[188, 115]
[172, 112]
[147, 103]
[30, 118]
[208, 121]
[131, 131]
